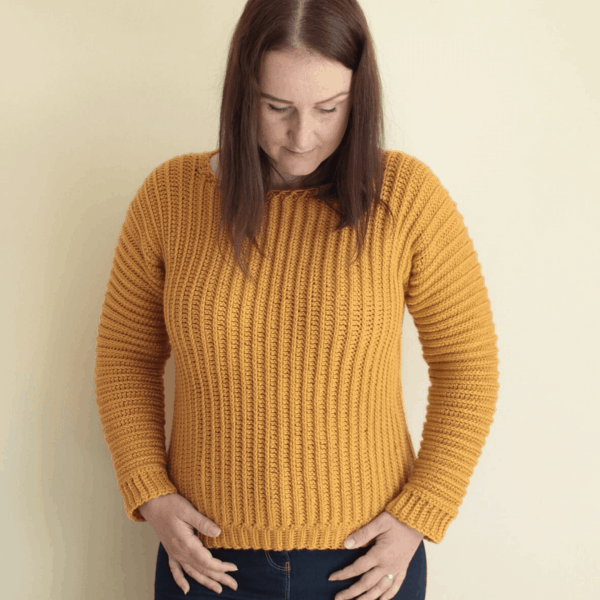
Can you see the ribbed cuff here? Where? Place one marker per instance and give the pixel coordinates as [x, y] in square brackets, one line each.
[416, 510]
[143, 486]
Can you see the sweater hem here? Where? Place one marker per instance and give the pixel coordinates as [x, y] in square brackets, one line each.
[324, 537]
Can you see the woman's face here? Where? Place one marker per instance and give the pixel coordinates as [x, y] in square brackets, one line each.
[298, 83]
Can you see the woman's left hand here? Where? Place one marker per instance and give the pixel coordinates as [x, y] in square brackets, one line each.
[395, 546]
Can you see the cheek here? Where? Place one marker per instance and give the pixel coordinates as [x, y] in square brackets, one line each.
[269, 126]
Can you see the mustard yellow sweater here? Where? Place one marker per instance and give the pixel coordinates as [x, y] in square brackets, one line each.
[289, 428]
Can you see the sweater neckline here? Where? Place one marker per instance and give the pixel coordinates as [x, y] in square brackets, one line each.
[208, 156]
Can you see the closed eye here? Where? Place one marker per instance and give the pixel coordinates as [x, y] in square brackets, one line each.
[281, 110]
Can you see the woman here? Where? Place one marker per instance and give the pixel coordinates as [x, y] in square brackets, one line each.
[289, 435]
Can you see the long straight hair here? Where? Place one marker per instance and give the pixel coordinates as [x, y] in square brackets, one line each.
[351, 179]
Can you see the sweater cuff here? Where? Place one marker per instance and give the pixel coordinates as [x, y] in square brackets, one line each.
[415, 509]
[144, 486]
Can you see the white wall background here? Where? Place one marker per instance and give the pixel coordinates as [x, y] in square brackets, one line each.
[500, 98]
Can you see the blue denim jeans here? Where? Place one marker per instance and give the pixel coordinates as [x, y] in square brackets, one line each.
[280, 575]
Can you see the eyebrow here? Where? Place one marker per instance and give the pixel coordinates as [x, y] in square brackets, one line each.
[288, 102]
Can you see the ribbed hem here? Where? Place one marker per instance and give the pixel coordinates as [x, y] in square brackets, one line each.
[321, 537]
[144, 486]
[416, 510]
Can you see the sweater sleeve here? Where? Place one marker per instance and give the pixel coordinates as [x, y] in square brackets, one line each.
[448, 300]
[132, 348]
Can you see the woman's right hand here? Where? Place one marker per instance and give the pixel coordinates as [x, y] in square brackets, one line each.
[174, 518]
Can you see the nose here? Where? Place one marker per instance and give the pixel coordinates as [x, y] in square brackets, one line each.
[301, 137]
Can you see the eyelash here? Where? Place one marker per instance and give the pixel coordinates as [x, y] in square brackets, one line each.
[281, 110]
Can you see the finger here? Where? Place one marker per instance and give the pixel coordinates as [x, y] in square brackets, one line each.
[178, 568]
[361, 565]
[202, 579]
[199, 563]
[211, 567]
[178, 575]
[213, 577]
[370, 583]
[215, 564]
[202, 557]
[391, 592]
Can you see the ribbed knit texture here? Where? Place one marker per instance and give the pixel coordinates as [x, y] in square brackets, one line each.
[289, 428]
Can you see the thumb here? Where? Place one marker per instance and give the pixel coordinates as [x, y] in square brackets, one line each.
[357, 539]
[203, 524]
[362, 536]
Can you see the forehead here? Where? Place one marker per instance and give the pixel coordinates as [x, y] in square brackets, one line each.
[298, 73]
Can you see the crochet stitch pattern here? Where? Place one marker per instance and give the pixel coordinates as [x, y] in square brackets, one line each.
[289, 428]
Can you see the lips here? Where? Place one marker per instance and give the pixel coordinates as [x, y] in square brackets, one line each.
[299, 153]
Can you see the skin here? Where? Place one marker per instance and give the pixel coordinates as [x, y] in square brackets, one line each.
[304, 79]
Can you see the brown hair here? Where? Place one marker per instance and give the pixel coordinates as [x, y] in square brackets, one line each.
[352, 177]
